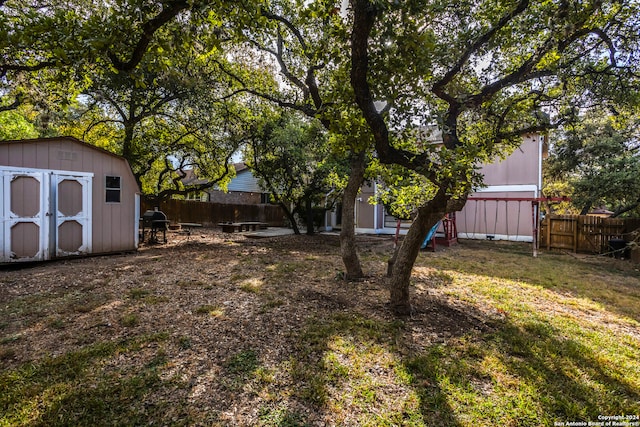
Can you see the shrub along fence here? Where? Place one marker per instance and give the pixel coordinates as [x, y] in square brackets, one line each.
[585, 233]
[210, 214]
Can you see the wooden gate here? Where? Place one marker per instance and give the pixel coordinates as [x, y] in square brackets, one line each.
[581, 233]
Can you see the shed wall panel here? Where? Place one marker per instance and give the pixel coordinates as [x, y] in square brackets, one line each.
[113, 222]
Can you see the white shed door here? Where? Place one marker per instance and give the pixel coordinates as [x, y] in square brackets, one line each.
[72, 214]
[25, 201]
[45, 214]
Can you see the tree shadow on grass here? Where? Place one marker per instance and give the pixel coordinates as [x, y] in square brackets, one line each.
[349, 366]
[450, 365]
[525, 374]
[614, 284]
[72, 389]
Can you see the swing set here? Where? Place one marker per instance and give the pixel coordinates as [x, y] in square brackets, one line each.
[492, 234]
[450, 234]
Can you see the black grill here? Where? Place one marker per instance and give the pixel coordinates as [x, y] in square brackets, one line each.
[152, 223]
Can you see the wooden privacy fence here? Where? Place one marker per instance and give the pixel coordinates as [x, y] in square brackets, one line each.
[210, 214]
[584, 233]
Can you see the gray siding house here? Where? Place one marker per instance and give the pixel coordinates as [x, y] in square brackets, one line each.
[243, 189]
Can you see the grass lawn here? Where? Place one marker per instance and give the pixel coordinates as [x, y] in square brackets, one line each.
[223, 331]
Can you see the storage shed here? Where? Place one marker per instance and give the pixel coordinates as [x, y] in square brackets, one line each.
[63, 197]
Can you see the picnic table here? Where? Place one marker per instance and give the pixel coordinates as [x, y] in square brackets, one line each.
[232, 227]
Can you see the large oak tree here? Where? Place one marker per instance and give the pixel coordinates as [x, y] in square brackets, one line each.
[306, 45]
[485, 72]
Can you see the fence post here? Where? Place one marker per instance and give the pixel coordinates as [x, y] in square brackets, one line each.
[602, 226]
[576, 232]
[548, 219]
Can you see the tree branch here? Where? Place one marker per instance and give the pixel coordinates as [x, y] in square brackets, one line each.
[304, 108]
[309, 87]
[607, 40]
[285, 70]
[438, 87]
[364, 18]
[123, 115]
[96, 123]
[536, 128]
[291, 28]
[625, 209]
[4, 68]
[148, 30]
[15, 104]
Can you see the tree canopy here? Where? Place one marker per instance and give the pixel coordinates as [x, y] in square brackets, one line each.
[14, 125]
[291, 158]
[140, 72]
[598, 158]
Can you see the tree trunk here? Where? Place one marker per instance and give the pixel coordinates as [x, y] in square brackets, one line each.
[128, 154]
[406, 254]
[309, 208]
[291, 217]
[586, 208]
[127, 143]
[392, 261]
[348, 246]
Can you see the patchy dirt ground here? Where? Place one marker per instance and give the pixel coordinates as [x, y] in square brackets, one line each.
[257, 288]
[213, 296]
[223, 330]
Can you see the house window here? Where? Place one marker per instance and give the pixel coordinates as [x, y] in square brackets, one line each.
[113, 188]
[265, 198]
[199, 196]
